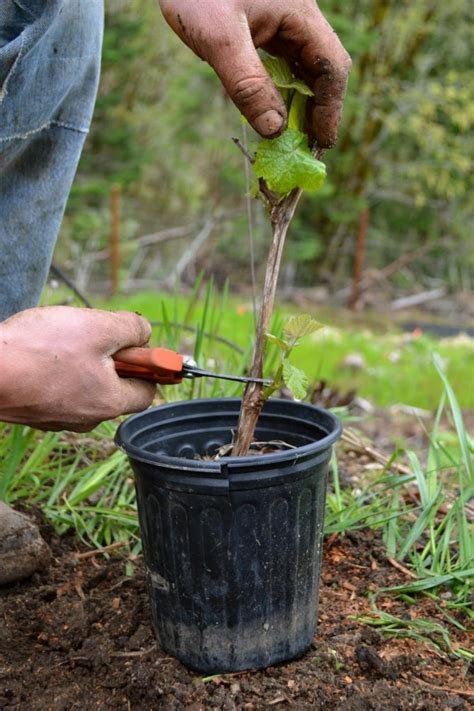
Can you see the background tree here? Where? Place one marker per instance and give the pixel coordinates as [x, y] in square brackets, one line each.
[162, 131]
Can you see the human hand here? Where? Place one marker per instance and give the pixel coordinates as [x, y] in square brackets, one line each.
[226, 34]
[56, 369]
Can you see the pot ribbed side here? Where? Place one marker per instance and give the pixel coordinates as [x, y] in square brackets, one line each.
[232, 547]
[234, 581]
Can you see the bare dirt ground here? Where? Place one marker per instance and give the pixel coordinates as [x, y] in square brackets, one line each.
[78, 636]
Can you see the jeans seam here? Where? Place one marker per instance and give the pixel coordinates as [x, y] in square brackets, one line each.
[49, 124]
[4, 87]
[25, 9]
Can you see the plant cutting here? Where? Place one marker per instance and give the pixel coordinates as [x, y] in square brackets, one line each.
[232, 545]
[283, 167]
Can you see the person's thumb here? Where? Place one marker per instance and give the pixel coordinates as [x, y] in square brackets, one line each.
[248, 84]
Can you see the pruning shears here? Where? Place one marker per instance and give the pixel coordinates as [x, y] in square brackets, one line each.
[167, 367]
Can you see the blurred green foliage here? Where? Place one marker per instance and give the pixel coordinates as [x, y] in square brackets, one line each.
[397, 368]
[163, 129]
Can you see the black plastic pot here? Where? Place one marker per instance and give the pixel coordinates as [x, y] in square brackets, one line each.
[232, 548]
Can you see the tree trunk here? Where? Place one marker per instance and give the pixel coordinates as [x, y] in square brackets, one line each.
[359, 258]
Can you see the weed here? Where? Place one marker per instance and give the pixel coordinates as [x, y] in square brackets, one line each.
[338, 663]
[419, 629]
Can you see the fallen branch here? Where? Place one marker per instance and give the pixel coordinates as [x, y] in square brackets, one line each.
[138, 653]
[377, 275]
[191, 253]
[401, 568]
[402, 261]
[166, 235]
[446, 689]
[357, 444]
[278, 700]
[407, 302]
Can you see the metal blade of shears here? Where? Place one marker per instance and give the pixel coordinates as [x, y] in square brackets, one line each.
[192, 371]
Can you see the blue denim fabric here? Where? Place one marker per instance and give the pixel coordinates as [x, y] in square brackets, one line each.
[49, 69]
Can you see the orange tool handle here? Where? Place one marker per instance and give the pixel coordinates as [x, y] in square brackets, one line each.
[159, 365]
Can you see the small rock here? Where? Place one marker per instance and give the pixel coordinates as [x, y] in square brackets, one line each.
[364, 405]
[140, 639]
[22, 550]
[369, 660]
[354, 361]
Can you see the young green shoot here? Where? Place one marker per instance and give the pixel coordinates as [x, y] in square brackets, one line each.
[295, 379]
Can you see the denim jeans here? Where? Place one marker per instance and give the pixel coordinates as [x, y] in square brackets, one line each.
[49, 69]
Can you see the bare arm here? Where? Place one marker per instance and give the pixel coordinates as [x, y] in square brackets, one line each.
[226, 33]
[56, 370]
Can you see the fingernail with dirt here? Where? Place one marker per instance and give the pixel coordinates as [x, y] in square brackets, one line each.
[269, 124]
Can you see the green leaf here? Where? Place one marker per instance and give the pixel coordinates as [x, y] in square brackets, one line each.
[300, 326]
[283, 77]
[283, 345]
[286, 163]
[297, 112]
[295, 380]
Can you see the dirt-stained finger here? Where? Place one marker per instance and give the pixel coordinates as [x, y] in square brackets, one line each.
[248, 84]
[124, 329]
[136, 395]
[316, 54]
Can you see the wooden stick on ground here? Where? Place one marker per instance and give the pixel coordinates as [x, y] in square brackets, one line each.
[357, 444]
[401, 568]
[101, 551]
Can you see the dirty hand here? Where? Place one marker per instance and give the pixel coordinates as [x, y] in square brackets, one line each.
[226, 34]
[56, 370]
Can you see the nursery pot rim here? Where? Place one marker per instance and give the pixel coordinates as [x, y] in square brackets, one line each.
[136, 453]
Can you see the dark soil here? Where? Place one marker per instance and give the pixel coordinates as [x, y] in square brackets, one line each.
[78, 636]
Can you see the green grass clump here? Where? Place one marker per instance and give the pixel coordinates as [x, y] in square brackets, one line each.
[79, 482]
[425, 525]
[398, 366]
